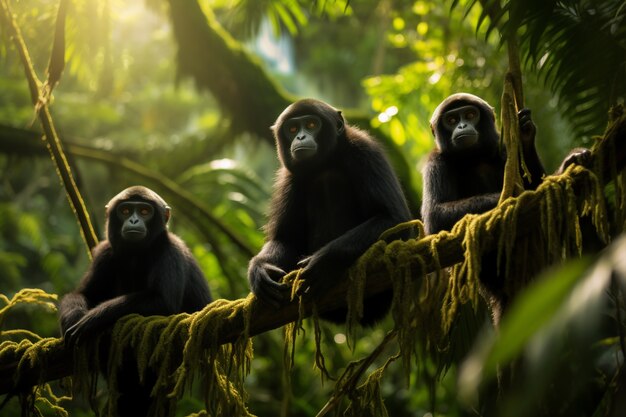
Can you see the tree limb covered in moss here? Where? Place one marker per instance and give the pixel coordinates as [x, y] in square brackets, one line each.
[56, 362]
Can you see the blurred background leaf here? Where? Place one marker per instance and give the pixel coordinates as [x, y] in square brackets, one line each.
[180, 96]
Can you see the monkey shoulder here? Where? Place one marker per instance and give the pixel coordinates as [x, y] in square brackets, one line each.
[175, 242]
[103, 258]
[362, 143]
[176, 250]
[102, 249]
[473, 175]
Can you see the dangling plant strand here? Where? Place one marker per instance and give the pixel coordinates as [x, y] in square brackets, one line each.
[26, 352]
[578, 192]
[40, 101]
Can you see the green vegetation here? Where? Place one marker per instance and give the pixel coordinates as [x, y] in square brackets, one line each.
[179, 96]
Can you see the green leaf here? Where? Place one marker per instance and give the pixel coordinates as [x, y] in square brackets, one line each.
[533, 309]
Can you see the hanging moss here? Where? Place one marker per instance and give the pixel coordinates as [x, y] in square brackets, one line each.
[179, 349]
[28, 351]
[185, 347]
[551, 237]
[425, 306]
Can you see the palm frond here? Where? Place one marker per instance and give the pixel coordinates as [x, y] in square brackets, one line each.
[244, 17]
[577, 46]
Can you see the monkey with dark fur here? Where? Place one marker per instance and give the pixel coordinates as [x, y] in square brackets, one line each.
[465, 173]
[334, 195]
[140, 268]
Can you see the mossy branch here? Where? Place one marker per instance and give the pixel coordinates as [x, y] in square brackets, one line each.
[250, 317]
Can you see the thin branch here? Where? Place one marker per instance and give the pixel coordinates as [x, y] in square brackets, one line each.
[24, 143]
[50, 135]
[57, 361]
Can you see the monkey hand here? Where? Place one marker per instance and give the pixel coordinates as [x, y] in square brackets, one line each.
[319, 274]
[527, 127]
[264, 279]
[70, 318]
[578, 156]
[85, 327]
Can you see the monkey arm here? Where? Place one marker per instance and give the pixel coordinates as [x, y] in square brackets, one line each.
[93, 288]
[105, 314]
[444, 215]
[322, 268]
[72, 308]
[285, 233]
[162, 295]
[442, 205]
[528, 132]
[279, 255]
[580, 156]
[535, 168]
[378, 191]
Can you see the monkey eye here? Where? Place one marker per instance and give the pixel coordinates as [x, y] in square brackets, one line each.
[145, 210]
[452, 120]
[311, 124]
[291, 128]
[125, 211]
[471, 114]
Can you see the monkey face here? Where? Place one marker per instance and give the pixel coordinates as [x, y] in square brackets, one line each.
[462, 123]
[135, 216]
[307, 133]
[302, 132]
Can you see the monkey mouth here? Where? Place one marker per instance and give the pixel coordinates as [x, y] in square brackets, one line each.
[301, 152]
[466, 139]
[466, 135]
[133, 234]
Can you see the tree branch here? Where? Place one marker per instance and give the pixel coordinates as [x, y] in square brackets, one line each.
[57, 361]
[27, 143]
[53, 143]
[248, 96]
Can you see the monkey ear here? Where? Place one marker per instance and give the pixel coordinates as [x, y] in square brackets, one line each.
[341, 127]
[432, 129]
[168, 213]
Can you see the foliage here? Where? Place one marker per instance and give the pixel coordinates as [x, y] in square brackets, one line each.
[40, 398]
[560, 40]
[559, 320]
[124, 103]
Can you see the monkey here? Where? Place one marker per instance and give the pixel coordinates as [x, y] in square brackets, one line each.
[465, 174]
[334, 194]
[140, 268]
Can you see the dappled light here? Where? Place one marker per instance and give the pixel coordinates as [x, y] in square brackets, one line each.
[329, 293]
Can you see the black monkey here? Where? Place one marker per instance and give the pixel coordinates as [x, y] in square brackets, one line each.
[140, 268]
[334, 194]
[465, 173]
